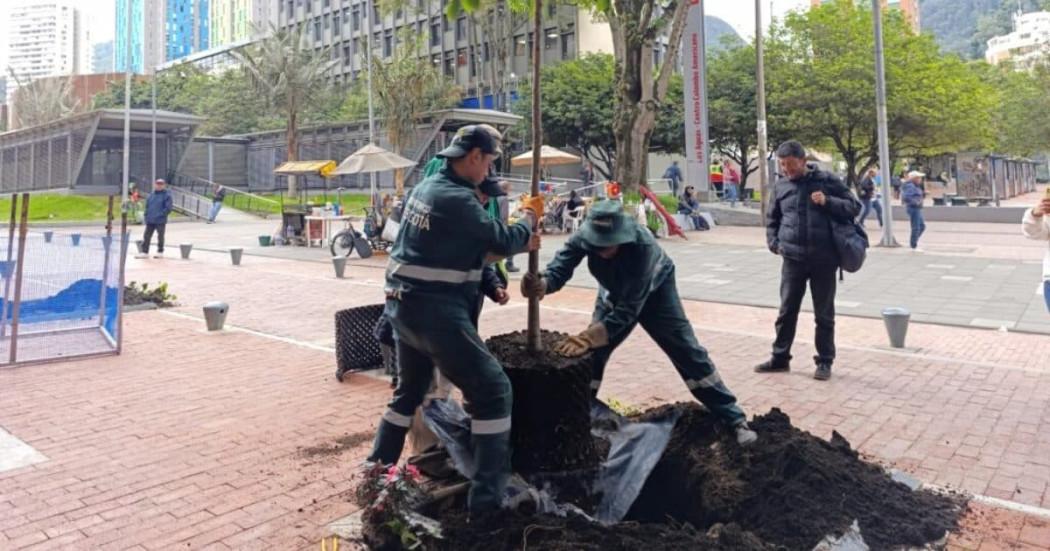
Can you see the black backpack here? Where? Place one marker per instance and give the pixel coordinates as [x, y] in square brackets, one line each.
[851, 243]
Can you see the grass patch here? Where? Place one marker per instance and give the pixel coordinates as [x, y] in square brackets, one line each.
[352, 203]
[63, 208]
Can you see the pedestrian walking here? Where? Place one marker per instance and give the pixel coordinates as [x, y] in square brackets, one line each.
[636, 287]
[217, 197]
[587, 178]
[1036, 225]
[432, 288]
[805, 203]
[673, 175]
[912, 196]
[732, 184]
[158, 206]
[867, 195]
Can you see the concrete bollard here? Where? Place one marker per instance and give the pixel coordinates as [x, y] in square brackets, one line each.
[235, 255]
[896, 320]
[76, 239]
[215, 315]
[138, 245]
[48, 235]
[106, 241]
[184, 249]
[339, 263]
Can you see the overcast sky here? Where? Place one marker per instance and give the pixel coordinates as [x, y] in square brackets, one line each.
[100, 17]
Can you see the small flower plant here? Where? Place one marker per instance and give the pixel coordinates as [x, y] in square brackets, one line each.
[389, 496]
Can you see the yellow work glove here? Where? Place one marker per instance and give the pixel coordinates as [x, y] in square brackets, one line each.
[533, 286]
[535, 204]
[575, 346]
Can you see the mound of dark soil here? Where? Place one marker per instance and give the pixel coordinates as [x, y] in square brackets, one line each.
[790, 488]
[508, 530]
[341, 444]
[551, 431]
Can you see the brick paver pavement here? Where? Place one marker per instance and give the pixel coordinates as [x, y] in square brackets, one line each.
[194, 440]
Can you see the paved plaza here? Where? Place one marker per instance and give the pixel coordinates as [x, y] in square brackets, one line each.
[244, 440]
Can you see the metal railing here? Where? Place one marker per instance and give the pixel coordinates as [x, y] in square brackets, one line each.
[250, 203]
[189, 203]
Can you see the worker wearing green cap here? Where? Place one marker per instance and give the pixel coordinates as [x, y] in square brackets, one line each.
[636, 286]
[432, 286]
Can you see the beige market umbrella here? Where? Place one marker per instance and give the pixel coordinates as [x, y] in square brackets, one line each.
[371, 158]
[549, 156]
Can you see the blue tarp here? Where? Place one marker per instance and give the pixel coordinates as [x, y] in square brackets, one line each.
[80, 300]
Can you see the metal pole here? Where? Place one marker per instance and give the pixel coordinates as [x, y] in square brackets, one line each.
[107, 246]
[10, 256]
[23, 228]
[535, 343]
[371, 112]
[127, 113]
[885, 165]
[120, 286]
[153, 126]
[760, 101]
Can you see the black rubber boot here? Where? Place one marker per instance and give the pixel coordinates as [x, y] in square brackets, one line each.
[390, 440]
[773, 366]
[823, 372]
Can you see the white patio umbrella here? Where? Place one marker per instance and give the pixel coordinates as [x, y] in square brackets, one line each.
[548, 156]
[372, 158]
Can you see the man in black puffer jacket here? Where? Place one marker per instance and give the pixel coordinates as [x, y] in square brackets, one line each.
[804, 203]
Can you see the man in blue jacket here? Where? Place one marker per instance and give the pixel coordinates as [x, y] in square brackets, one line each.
[806, 201]
[637, 286]
[912, 195]
[158, 207]
[432, 287]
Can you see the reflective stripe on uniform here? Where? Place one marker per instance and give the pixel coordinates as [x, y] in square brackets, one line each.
[395, 418]
[440, 275]
[490, 426]
[707, 382]
[596, 384]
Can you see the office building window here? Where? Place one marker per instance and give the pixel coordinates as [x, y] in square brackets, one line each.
[568, 45]
[450, 68]
[552, 10]
[317, 29]
[519, 45]
[327, 3]
[337, 29]
[461, 29]
[473, 63]
[435, 31]
[346, 55]
[291, 9]
[327, 22]
[461, 57]
[375, 14]
[550, 41]
[355, 20]
[486, 52]
[388, 44]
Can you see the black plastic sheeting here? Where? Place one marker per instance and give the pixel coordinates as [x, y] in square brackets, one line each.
[635, 448]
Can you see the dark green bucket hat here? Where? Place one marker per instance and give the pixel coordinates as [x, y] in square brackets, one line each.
[607, 225]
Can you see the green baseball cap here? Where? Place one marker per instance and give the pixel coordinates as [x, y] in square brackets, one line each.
[607, 225]
[481, 136]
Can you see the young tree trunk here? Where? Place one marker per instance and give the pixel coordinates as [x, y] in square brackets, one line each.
[292, 139]
[535, 342]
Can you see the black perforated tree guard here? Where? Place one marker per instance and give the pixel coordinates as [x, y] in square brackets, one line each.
[356, 347]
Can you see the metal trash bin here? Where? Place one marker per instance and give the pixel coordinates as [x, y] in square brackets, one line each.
[184, 250]
[896, 320]
[48, 235]
[215, 315]
[356, 346]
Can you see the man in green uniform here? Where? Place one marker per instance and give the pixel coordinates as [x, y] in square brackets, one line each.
[636, 286]
[432, 283]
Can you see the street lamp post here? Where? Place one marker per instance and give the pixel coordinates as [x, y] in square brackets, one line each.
[760, 101]
[370, 14]
[885, 166]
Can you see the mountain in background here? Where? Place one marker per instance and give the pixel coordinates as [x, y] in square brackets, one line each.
[965, 26]
[719, 35]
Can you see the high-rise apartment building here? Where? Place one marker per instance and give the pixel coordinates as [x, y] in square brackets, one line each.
[1025, 47]
[237, 20]
[146, 49]
[187, 27]
[102, 58]
[45, 38]
[910, 9]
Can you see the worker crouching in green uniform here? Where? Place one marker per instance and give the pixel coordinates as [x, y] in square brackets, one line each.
[636, 286]
[432, 287]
